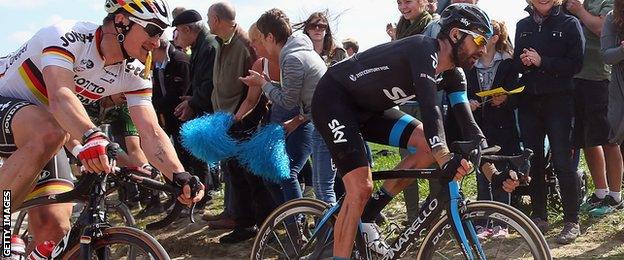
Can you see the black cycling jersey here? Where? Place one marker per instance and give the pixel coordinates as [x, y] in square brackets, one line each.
[358, 90]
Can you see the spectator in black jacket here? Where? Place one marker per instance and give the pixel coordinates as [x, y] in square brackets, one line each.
[171, 79]
[548, 52]
[191, 31]
[495, 115]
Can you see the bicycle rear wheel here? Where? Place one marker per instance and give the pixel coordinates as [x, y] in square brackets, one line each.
[287, 231]
[519, 238]
[122, 243]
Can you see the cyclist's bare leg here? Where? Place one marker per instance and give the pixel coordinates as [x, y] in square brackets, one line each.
[359, 187]
[35, 147]
[48, 222]
[136, 154]
[421, 159]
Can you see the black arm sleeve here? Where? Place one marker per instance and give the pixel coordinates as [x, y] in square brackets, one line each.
[454, 82]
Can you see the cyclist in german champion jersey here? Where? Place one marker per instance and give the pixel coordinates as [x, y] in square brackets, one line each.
[44, 84]
[353, 99]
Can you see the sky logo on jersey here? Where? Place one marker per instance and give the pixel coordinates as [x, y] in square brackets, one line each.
[434, 63]
[5, 106]
[398, 96]
[356, 76]
[336, 128]
[435, 141]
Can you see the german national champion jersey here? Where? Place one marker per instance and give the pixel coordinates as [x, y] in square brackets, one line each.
[73, 46]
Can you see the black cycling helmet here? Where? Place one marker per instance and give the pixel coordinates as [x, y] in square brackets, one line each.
[466, 16]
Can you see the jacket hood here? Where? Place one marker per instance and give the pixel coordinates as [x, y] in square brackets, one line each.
[296, 43]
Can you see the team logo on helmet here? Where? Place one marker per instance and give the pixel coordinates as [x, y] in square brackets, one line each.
[465, 22]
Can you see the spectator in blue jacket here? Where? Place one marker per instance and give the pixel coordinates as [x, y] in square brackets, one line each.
[548, 53]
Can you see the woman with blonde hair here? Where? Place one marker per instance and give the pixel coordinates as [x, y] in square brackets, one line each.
[548, 53]
[298, 139]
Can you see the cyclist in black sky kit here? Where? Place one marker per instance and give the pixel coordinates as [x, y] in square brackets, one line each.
[353, 99]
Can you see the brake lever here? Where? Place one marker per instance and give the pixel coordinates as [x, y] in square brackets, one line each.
[194, 185]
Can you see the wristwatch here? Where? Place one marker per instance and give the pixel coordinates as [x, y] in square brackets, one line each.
[89, 133]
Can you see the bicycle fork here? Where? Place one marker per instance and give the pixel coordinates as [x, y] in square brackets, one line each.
[459, 226]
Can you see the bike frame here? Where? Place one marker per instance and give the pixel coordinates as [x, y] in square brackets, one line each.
[432, 209]
[92, 191]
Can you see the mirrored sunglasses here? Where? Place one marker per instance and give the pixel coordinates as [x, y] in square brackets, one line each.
[152, 29]
[478, 39]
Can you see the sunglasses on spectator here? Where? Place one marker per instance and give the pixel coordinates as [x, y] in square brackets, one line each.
[152, 29]
[478, 39]
[317, 26]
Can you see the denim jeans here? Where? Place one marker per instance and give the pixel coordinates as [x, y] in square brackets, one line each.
[323, 170]
[299, 148]
[551, 115]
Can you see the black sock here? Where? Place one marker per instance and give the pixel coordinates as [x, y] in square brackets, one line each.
[375, 204]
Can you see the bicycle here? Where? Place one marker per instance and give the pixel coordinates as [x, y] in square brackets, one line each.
[92, 236]
[553, 192]
[445, 227]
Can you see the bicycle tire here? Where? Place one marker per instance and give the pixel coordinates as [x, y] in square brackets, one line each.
[524, 227]
[122, 236]
[290, 208]
[19, 222]
[123, 211]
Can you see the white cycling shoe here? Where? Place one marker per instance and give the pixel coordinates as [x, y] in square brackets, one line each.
[373, 239]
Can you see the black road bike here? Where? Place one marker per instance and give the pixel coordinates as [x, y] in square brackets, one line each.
[444, 229]
[92, 236]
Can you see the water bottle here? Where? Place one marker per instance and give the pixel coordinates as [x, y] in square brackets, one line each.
[18, 248]
[43, 251]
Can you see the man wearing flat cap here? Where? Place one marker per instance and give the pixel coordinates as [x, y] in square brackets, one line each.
[192, 32]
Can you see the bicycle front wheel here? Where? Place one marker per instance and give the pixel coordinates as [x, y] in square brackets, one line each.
[503, 232]
[287, 232]
[122, 243]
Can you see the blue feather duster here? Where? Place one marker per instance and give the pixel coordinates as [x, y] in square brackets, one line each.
[265, 154]
[207, 138]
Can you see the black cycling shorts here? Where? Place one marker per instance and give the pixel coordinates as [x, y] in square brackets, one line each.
[8, 109]
[345, 127]
[56, 176]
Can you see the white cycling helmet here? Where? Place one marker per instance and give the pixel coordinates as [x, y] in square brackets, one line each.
[147, 10]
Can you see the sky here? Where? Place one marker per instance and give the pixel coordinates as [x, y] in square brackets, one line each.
[364, 20]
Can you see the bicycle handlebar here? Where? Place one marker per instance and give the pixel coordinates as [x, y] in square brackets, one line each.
[147, 182]
[472, 151]
[135, 176]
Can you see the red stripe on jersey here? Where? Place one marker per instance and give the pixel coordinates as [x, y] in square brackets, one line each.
[83, 92]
